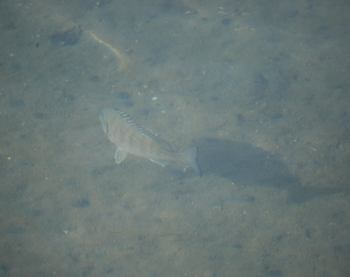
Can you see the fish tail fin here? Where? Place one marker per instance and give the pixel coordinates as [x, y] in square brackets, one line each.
[192, 156]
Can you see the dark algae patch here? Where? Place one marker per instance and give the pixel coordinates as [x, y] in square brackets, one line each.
[67, 37]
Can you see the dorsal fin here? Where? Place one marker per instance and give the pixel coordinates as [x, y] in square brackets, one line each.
[132, 123]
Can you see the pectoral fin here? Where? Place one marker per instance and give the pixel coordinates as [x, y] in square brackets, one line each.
[120, 155]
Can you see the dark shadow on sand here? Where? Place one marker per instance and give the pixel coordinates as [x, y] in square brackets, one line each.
[252, 166]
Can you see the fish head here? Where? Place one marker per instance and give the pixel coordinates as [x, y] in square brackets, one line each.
[104, 119]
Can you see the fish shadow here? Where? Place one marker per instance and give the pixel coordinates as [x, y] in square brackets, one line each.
[252, 166]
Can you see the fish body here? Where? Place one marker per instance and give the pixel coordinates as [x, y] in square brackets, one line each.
[130, 138]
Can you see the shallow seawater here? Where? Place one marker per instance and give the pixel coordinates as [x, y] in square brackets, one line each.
[261, 88]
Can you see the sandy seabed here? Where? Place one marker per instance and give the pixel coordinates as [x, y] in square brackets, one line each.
[261, 87]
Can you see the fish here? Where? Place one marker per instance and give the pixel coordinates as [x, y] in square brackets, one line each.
[128, 137]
